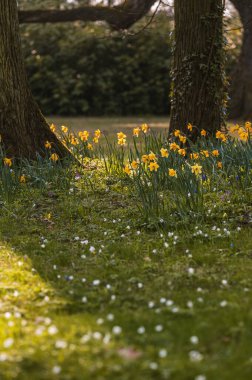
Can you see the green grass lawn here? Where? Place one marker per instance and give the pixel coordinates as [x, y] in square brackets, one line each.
[109, 125]
[91, 290]
[144, 304]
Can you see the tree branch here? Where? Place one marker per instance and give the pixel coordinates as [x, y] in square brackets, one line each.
[119, 17]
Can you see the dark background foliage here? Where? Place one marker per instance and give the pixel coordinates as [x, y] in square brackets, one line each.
[84, 69]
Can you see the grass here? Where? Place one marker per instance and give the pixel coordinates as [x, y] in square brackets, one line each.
[91, 289]
[109, 125]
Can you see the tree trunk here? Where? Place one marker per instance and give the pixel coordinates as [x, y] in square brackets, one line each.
[241, 80]
[198, 95]
[23, 128]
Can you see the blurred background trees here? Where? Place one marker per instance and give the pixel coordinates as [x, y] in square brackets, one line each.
[86, 69]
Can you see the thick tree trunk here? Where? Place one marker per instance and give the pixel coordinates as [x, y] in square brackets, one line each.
[23, 128]
[241, 81]
[198, 77]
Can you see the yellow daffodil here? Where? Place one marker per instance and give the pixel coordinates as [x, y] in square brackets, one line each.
[203, 132]
[164, 152]
[194, 156]
[7, 161]
[176, 132]
[152, 156]
[122, 142]
[48, 145]
[182, 152]
[221, 136]
[134, 165]
[97, 133]
[53, 127]
[219, 165]
[248, 126]
[145, 158]
[22, 178]
[95, 140]
[243, 134]
[64, 129]
[205, 153]
[189, 127]
[121, 135]
[182, 139]
[74, 140]
[215, 153]
[153, 166]
[172, 172]
[145, 128]
[136, 131]
[90, 146]
[174, 146]
[196, 169]
[127, 169]
[54, 157]
[83, 135]
[234, 128]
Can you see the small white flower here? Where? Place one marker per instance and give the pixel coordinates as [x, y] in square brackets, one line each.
[194, 339]
[223, 303]
[162, 353]
[200, 377]
[153, 366]
[3, 357]
[100, 321]
[195, 356]
[92, 249]
[84, 299]
[191, 271]
[110, 317]
[61, 344]
[141, 330]
[56, 370]
[8, 342]
[97, 335]
[84, 242]
[116, 330]
[175, 310]
[189, 304]
[52, 330]
[169, 303]
[159, 328]
[151, 304]
[96, 282]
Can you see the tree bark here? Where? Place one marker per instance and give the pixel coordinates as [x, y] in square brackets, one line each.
[198, 81]
[241, 80]
[23, 128]
[118, 17]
